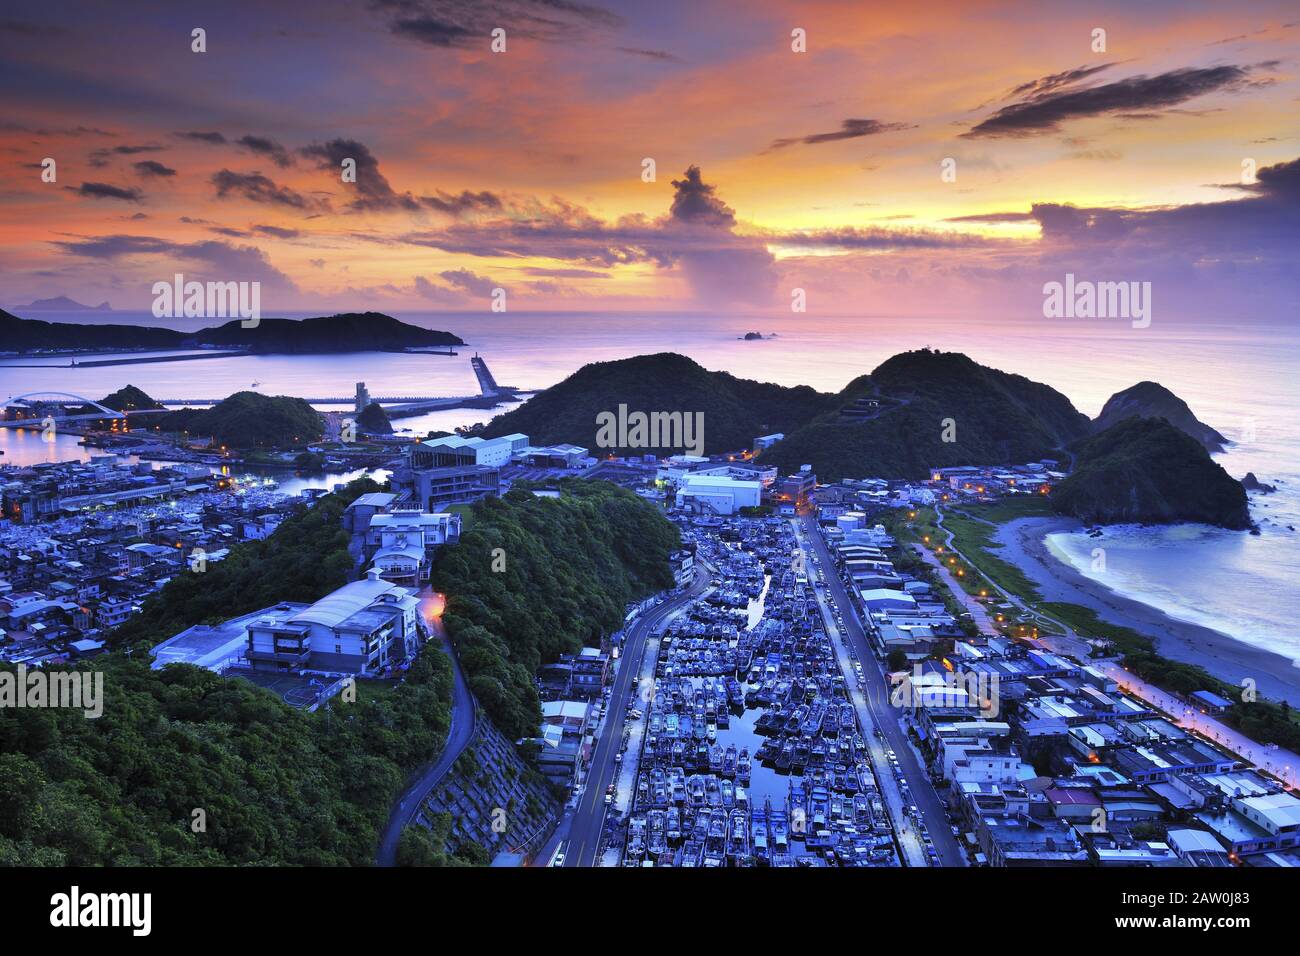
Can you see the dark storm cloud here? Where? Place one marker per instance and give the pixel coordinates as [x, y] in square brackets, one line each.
[149, 168]
[566, 273]
[466, 202]
[849, 129]
[221, 258]
[1263, 226]
[108, 191]
[467, 281]
[662, 55]
[277, 232]
[993, 217]
[268, 148]
[433, 31]
[694, 202]
[457, 23]
[1044, 112]
[375, 192]
[203, 137]
[1054, 81]
[100, 157]
[378, 195]
[260, 189]
[876, 237]
[12, 127]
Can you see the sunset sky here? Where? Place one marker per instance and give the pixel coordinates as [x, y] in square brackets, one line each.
[523, 170]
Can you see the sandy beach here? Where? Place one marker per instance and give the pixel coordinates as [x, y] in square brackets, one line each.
[1220, 654]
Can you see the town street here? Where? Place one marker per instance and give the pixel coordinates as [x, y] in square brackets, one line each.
[587, 822]
[884, 715]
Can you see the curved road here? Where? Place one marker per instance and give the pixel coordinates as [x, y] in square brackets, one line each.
[588, 821]
[458, 738]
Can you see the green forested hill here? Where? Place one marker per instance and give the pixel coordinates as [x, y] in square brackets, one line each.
[250, 420]
[1145, 469]
[276, 785]
[570, 565]
[736, 410]
[997, 417]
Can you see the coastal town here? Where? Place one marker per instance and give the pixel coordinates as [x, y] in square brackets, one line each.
[820, 688]
[443, 441]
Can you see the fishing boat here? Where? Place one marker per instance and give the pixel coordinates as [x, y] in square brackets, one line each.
[656, 841]
[692, 853]
[729, 762]
[743, 766]
[759, 826]
[786, 756]
[738, 835]
[779, 826]
[799, 757]
[818, 807]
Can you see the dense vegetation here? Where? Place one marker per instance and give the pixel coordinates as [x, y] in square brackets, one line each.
[997, 418]
[373, 418]
[736, 410]
[250, 420]
[568, 566]
[129, 397]
[305, 559]
[22, 335]
[1150, 400]
[1145, 469]
[346, 332]
[276, 785]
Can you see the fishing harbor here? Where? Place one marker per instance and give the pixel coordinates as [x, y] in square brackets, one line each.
[750, 751]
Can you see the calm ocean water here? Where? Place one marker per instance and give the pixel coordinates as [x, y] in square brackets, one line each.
[1239, 378]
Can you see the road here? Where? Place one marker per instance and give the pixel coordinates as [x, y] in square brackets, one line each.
[1068, 642]
[587, 822]
[458, 738]
[883, 715]
[1277, 761]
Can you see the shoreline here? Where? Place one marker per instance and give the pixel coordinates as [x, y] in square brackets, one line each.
[1023, 544]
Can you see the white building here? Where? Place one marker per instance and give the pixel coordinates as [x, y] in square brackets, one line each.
[714, 494]
[361, 628]
[494, 452]
[404, 542]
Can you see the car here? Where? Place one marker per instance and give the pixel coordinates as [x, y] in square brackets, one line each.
[618, 757]
[559, 860]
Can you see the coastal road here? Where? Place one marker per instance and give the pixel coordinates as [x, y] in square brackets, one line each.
[884, 715]
[458, 738]
[1280, 762]
[588, 820]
